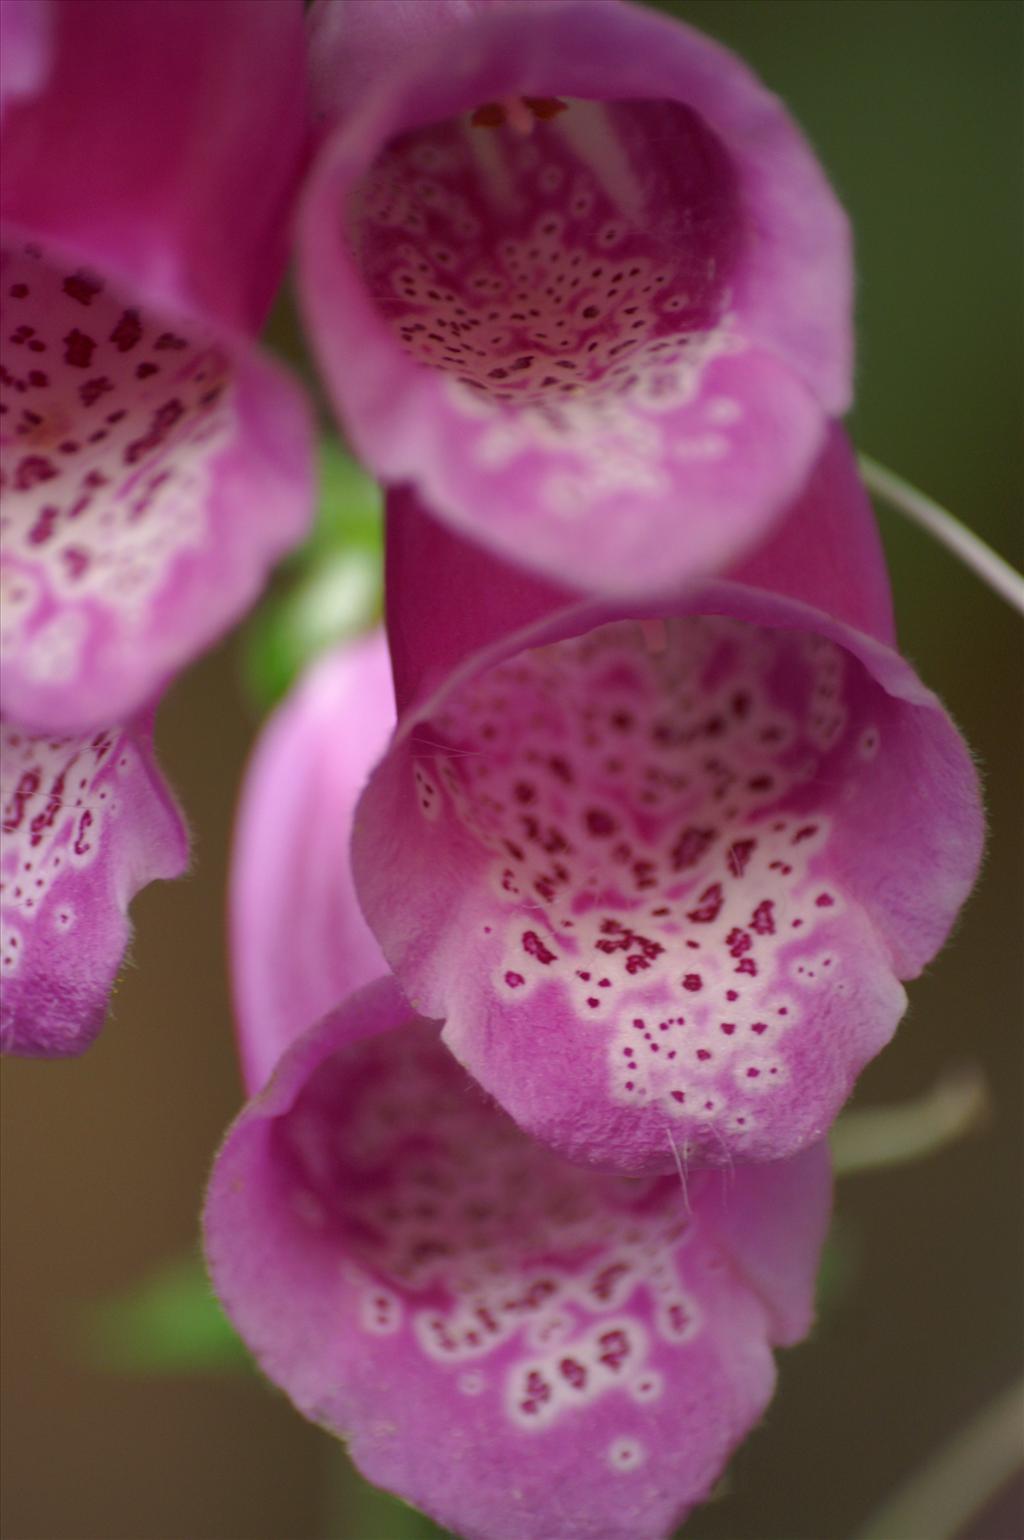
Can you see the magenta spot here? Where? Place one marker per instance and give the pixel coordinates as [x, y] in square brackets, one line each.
[759, 1027]
[824, 901]
[167, 341]
[573, 1373]
[32, 470]
[83, 287]
[690, 847]
[708, 907]
[728, 1027]
[78, 349]
[752, 1074]
[804, 833]
[43, 528]
[703, 1054]
[600, 823]
[731, 994]
[678, 1096]
[77, 561]
[18, 290]
[37, 378]
[533, 945]
[746, 965]
[143, 371]
[738, 941]
[739, 855]
[513, 980]
[763, 919]
[127, 332]
[163, 421]
[92, 390]
[693, 982]
[614, 1347]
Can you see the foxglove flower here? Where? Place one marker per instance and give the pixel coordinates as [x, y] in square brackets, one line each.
[521, 1347]
[87, 821]
[596, 283]
[299, 944]
[660, 869]
[153, 463]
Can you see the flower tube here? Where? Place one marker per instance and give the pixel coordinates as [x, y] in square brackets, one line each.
[596, 283]
[516, 1345]
[660, 869]
[299, 944]
[153, 464]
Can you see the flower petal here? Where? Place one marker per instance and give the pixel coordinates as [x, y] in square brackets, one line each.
[673, 860]
[518, 1346]
[151, 474]
[606, 281]
[299, 943]
[26, 28]
[167, 186]
[86, 822]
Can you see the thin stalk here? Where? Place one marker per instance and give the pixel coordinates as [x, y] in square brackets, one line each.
[959, 1478]
[868, 1138]
[985, 563]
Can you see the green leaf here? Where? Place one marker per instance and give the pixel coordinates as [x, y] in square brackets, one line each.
[169, 1323]
[327, 591]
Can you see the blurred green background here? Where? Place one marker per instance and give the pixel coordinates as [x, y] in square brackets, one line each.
[915, 108]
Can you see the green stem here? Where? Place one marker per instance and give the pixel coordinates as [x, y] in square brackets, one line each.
[947, 530]
[958, 1479]
[872, 1137]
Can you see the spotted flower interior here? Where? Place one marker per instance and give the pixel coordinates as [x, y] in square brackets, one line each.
[86, 822]
[108, 419]
[516, 251]
[116, 433]
[604, 1334]
[560, 277]
[645, 850]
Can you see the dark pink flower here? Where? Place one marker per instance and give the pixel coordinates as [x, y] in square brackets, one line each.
[299, 944]
[86, 822]
[660, 868]
[573, 273]
[521, 1347]
[153, 463]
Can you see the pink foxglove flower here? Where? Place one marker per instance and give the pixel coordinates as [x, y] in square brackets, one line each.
[299, 944]
[87, 821]
[153, 463]
[521, 1347]
[573, 273]
[661, 869]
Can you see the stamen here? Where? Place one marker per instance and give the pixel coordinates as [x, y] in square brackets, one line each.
[519, 112]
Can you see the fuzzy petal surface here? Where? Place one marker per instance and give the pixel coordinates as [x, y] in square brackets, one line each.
[520, 1347]
[87, 822]
[299, 942]
[662, 871]
[597, 285]
[151, 473]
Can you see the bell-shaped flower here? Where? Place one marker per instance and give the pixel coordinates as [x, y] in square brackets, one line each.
[660, 869]
[87, 821]
[299, 943]
[519, 1346]
[573, 273]
[153, 464]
